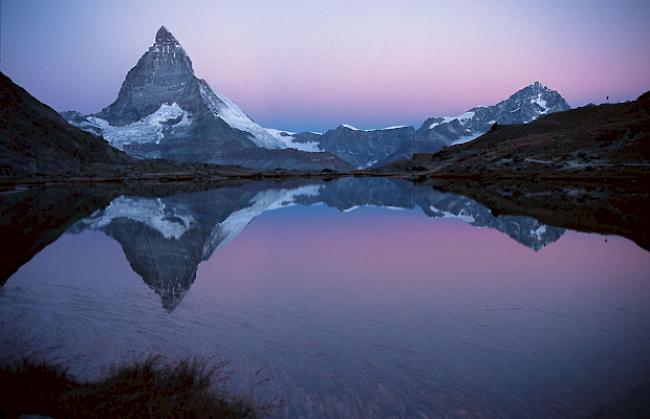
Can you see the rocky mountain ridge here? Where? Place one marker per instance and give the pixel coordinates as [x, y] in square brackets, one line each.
[378, 147]
[164, 111]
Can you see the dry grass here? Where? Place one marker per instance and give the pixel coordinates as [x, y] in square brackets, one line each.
[149, 388]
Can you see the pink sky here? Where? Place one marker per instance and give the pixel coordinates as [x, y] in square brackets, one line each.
[311, 65]
[383, 247]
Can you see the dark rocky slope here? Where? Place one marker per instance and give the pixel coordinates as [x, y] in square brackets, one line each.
[584, 142]
[35, 139]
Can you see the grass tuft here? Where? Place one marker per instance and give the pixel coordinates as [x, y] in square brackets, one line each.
[148, 388]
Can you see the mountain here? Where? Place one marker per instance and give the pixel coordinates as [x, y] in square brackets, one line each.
[35, 139]
[36, 142]
[164, 111]
[363, 148]
[606, 141]
[522, 107]
[378, 147]
[366, 148]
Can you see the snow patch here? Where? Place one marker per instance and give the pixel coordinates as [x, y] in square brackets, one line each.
[288, 141]
[389, 128]
[387, 207]
[171, 221]
[462, 214]
[539, 232]
[233, 115]
[540, 102]
[268, 200]
[152, 128]
[279, 132]
[467, 138]
[461, 118]
[372, 129]
[369, 164]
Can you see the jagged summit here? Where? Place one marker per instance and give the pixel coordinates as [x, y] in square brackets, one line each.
[533, 101]
[523, 106]
[163, 110]
[536, 86]
[163, 75]
[164, 37]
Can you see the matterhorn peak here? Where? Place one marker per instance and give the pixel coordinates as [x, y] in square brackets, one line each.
[164, 37]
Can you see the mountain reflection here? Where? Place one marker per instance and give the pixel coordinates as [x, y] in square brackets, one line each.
[165, 238]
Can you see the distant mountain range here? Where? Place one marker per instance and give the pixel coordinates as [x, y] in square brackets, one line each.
[597, 140]
[376, 148]
[166, 120]
[164, 111]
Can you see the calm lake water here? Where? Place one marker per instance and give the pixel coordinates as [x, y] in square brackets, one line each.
[348, 298]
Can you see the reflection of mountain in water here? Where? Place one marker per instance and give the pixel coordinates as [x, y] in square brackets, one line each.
[348, 194]
[165, 239]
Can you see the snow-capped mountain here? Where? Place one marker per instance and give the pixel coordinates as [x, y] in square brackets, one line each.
[366, 148]
[363, 148]
[164, 110]
[522, 107]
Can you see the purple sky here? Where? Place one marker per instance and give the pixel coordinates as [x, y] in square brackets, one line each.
[310, 65]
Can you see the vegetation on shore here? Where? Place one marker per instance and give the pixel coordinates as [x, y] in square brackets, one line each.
[149, 388]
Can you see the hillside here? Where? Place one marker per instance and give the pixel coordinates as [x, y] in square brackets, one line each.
[35, 139]
[592, 140]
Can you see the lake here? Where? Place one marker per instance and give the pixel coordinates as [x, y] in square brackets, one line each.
[344, 298]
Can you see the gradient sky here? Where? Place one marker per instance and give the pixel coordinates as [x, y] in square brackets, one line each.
[310, 65]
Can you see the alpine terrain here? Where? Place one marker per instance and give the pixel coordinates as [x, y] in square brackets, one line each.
[164, 111]
[378, 147]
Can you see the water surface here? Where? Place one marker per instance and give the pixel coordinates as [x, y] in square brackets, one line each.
[349, 298]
